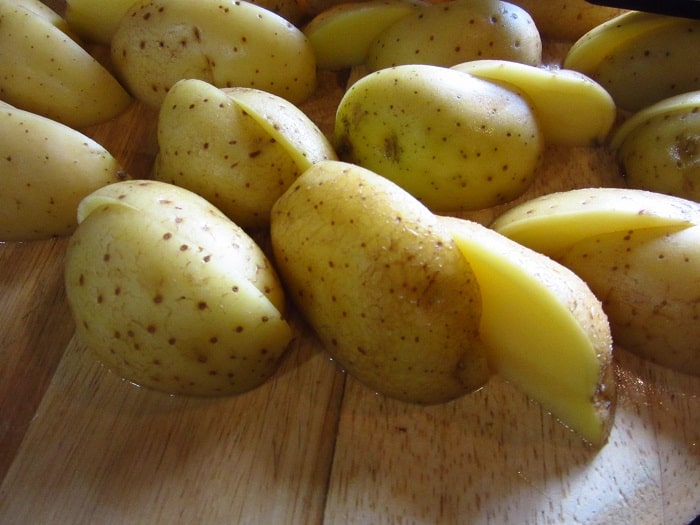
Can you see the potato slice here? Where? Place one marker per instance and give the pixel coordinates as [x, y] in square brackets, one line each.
[642, 265]
[382, 283]
[46, 168]
[172, 295]
[545, 330]
[571, 109]
[659, 147]
[552, 223]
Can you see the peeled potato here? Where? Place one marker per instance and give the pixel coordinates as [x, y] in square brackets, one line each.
[172, 295]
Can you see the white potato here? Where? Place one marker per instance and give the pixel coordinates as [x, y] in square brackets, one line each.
[172, 295]
[454, 141]
[381, 282]
[96, 20]
[239, 148]
[227, 43]
[448, 33]
[44, 71]
[46, 168]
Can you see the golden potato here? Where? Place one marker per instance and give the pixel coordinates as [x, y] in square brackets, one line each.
[172, 295]
[454, 141]
[382, 283]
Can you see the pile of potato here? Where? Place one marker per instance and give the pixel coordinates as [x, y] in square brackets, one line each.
[449, 108]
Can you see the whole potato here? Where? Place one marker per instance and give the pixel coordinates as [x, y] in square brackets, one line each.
[456, 142]
[382, 283]
[172, 295]
[452, 32]
[226, 43]
[46, 168]
[239, 148]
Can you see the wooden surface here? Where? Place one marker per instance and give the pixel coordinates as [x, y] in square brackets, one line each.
[78, 445]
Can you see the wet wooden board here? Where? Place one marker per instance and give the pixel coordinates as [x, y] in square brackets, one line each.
[79, 445]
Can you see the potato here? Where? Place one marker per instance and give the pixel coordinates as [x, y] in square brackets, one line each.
[567, 20]
[645, 60]
[341, 35]
[172, 295]
[643, 264]
[552, 223]
[46, 168]
[226, 43]
[649, 282]
[239, 148]
[96, 20]
[381, 282]
[456, 142]
[449, 33]
[571, 109]
[567, 368]
[44, 71]
[659, 147]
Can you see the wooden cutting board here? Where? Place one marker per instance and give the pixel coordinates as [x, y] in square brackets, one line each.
[78, 445]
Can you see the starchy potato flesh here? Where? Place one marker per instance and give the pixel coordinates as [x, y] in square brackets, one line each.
[544, 329]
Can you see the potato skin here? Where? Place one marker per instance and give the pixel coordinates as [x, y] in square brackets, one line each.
[649, 282]
[382, 283]
[171, 295]
[46, 168]
[226, 43]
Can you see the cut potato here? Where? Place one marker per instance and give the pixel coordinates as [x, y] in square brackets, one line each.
[545, 330]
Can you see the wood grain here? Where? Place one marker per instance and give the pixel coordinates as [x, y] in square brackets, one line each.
[78, 445]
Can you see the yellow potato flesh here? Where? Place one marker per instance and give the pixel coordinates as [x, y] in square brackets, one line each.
[96, 20]
[571, 109]
[172, 295]
[551, 223]
[545, 330]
